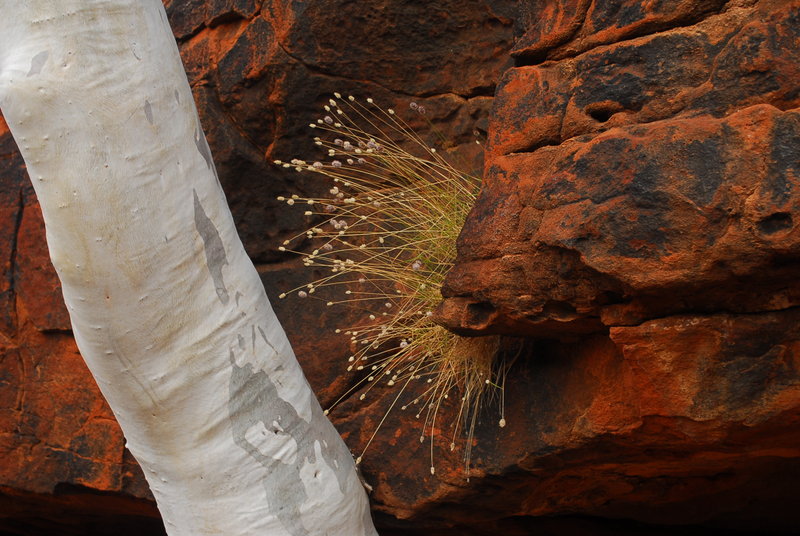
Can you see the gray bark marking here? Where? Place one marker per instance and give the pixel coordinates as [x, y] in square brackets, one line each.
[148, 111]
[205, 151]
[37, 63]
[202, 146]
[177, 97]
[264, 336]
[254, 399]
[215, 251]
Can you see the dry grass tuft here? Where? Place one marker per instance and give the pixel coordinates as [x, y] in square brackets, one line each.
[386, 236]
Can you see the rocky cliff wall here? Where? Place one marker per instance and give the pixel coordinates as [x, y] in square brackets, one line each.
[637, 226]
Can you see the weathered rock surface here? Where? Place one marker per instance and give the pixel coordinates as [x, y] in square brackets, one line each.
[609, 164]
[639, 220]
[638, 226]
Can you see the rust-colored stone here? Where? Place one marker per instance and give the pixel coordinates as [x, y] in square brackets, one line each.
[641, 184]
[35, 279]
[686, 142]
[55, 428]
[682, 421]
[556, 29]
[614, 202]
[718, 66]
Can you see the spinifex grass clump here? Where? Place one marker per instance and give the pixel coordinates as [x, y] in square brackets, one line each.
[386, 235]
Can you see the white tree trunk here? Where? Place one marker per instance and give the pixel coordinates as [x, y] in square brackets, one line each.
[166, 307]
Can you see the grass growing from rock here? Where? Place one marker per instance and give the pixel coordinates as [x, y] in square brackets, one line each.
[386, 238]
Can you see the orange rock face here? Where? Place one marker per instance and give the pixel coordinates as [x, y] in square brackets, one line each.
[639, 221]
[636, 235]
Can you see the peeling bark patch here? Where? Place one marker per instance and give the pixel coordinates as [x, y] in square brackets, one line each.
[202, 146]
[254, 404]
[215, 251]
[264, 336]
[253, 400]
[148, 111]
[204, 150]
[37, 63]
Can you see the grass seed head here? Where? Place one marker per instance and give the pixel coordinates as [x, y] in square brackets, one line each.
[387, 232]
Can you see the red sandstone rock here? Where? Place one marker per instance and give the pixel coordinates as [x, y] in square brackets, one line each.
[685, 420]
[35, 281]
[613, 206]
[555, 29]
[645, 190]
[602, 221]
[722, 64]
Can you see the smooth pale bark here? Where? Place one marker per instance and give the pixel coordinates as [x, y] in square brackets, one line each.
[166, 307]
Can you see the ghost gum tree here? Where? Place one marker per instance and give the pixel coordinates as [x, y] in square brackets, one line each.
[167, 309]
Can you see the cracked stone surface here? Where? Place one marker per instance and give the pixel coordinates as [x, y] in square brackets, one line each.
[637, 220]
[636, 226]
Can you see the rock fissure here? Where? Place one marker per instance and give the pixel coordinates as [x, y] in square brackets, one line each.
[12, 270]
[697, 313]
[475, 92]
[566, 48]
